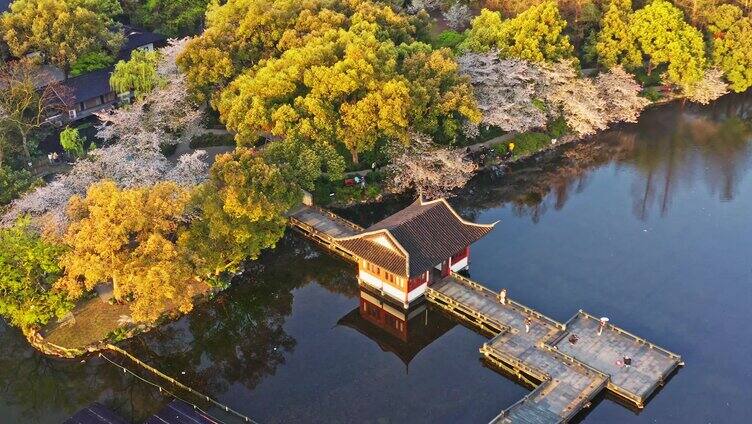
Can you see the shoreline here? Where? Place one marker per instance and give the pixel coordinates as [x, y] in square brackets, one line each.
[39, 342]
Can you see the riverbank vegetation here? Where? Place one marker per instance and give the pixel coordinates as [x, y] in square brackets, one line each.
[310, 91]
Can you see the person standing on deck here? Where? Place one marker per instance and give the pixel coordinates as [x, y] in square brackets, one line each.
[503, 296]
[528, 323]
[602, 325]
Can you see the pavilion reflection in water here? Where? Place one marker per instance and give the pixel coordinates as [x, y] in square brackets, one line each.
[403, 332]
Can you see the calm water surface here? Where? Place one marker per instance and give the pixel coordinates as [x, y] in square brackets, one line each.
[648, 224]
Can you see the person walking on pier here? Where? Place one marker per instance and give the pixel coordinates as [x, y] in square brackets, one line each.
[528, 323]
[503, 296]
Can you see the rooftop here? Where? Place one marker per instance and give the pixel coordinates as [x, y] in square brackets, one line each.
[428, 232]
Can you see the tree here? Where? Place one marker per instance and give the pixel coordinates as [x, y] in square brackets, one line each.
[457, 16]
[505, 90]
[616, 43]
[485, 32]
[28, 269]
[575, 99]
[620, 94]
[665, 38]
[171, 18]
[72, 142]
[90, 62]
[441, 98]
[241, 33]
[25, 107]
[346, 86]
[432, 171]
[61, 30]
[709, 88]
[138, 74]
[132, 157]
[303, 163]
[239, 212]
[126, 237]
[730, 33]
[14, 183]
[535, 35]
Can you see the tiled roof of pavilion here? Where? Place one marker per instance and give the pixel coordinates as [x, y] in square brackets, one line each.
[428, 231]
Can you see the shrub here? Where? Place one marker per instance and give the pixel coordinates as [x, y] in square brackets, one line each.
[73, 143]
[558, 128]
[91, 62]
[501, 149]
[450, 39]
[530, 142]
[14, 183]
[652, 94]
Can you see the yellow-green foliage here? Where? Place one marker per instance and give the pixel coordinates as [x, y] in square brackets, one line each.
[62, 30]
[138, 74]
[535, 35]
[731, 41]
[616, 43]
[665, 38]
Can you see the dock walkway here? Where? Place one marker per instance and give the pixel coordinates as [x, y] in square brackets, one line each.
[570, 374]
[567, 375]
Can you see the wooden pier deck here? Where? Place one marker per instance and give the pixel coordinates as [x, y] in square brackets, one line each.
[323, 227]
[567, 375]
[570, 375]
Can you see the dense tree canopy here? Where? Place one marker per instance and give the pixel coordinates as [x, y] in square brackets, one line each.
[665, 38]
[126, 237]
[731, 43]
[616, 43]
[171, 18]
[238, 212]
[28, 269]
[535, 35]
[349, 86]
[61, 30]
[240, 33]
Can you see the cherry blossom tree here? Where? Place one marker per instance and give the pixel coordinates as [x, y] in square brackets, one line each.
[505, 90]
[132, 156]
[574, 98]
[431, 170]
[620, 94]
[709, 88]
[458, 16]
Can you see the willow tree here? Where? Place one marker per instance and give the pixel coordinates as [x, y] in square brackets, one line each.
[665, 38]
[138, 74]
[127, 237]
[61, 30]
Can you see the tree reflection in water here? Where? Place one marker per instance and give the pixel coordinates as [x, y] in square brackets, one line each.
[670, 147]
[239, 336]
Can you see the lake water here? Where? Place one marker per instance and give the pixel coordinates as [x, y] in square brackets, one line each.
[648, 224]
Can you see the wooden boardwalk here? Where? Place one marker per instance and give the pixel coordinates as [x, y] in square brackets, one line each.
[323, 227]
[570, 374]
[567, 375]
